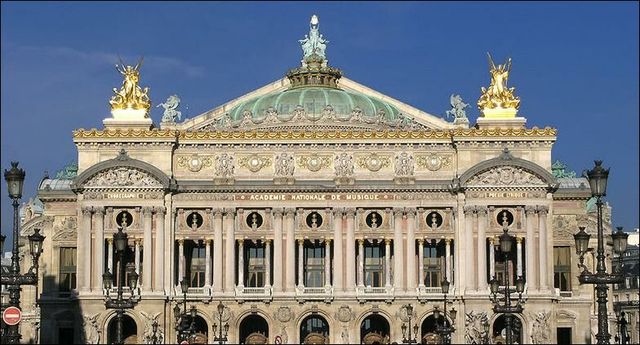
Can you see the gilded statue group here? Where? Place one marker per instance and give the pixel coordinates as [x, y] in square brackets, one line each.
[498, 95]
[130, 95]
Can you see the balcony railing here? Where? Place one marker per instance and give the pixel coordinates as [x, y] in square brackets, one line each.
[314, 293]
[432, 292]
[371, 293]
[244, 293]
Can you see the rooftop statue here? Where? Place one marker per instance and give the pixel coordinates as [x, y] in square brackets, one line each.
[314, 42]
[498, 95]
[170, 105]
[457, 109]
[130, 95]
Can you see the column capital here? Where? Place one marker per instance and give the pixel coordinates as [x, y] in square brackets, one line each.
[217, 212]
[181, 241]
[447, 241]
[492, 239]
[350, 211]
[338, 211]
[300, 241]
[481, 210]
[290, 211]
[469, 209]
[327, 241]
[542, 210]
[420, 241]
[87, 210]
[529, 210]
[109, 240]
[229, 211]
[240, 241]
[387, 241]
[411, 211]
[267, 241]
[99, 210]
[147, 210]
[398, 211]
[518, 240]
[361, 241]
[161, 210]
[277, 211]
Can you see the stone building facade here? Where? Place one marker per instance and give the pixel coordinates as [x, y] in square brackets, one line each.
[314, 208]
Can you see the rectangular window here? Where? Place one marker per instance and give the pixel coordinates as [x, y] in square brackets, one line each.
[374, 265]
[67, 280]
[564, 335]
[314, 266]
[562, 268]
[433, 254]
[255, 267]
[196, 270]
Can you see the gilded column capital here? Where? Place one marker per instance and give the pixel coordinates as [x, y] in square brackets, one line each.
[361, 241]
[350, 211]
[492, 240]
[181, 241]
[327, 241]
[109, 240]
[387, 241]
[530, 210]
[300, 241]
[448, 240]
[542, 210]
[518, 240]
[267, 241]
[240, 241]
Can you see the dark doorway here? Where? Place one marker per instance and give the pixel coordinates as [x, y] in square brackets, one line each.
[374, 330]
[564, 335]
[254, 329]
[129, 330]
[499, 330]
[314, 330]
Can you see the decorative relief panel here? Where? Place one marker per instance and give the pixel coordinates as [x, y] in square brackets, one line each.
[343, 164]
[194, 219]
[194, 162]
[564, 227]
[224, 166]
[254, 162]
[122, 177]
[284, 165]
[314, 220]
[373, 162]
[441, 218]
[365, 219]
[404, 164]
[254, 220]
[314, 162]
[506, 176]
[66, 230]
[433, 162]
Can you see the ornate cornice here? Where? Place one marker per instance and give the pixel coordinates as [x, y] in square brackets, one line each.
[118, 133]
[504, 132]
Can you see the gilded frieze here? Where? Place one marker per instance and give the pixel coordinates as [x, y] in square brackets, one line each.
[123, 133]
[433, 162]
[373, 162]
[254, 162]
[314, 162]
[194, 162]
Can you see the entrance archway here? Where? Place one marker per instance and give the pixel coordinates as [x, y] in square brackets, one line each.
[374, 329]
[428, 334]
[254, 329]
[201, 335]
[129, 330]
[499, 331]
[314, 329]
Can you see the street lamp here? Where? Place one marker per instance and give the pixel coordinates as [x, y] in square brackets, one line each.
[444, 330]
[507, 309]
[407, 326]
[223, 330]
[623, 335]
[13, 280]
[120, 303]
[185, 320]
[598, 182]
[155, 337]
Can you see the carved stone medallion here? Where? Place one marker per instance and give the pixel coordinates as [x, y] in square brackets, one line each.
[374, 162]
[404, 164]
[344, 314]
[284, 314]
[433, 162]
[254, 162]
[314, 162]
[343, 164]
[194, 162]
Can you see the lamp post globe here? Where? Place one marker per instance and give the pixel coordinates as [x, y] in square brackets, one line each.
[15, 181]
[598, 179]
[582, 241]
[620, 241]
[35, 243]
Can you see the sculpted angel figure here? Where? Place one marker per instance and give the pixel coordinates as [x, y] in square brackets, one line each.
[498, 95]
[170, 105]
[130, 95]
[457, 107]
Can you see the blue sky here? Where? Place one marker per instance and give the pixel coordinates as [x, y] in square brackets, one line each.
[575, 67]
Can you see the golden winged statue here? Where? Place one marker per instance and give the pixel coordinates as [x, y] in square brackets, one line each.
[130, 95]
[498, 95]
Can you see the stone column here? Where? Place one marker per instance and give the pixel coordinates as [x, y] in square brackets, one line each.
[84, 251]
[360, 262]
[291, 249]
[492, 257]
[241, 263]
[387, 263]
[277, 249]
[542, 246]
[300, 263]
[327, 262]
[351, 250]
[398, 266]
[207, 264]
[136, 260]
[217, 250]
[230, 251]
[447, 258]
[267, 263]
[99, 247]
[519, 256]
[411, 249]
[337, 250]
[159, 261]
[420, 262]
[469, 213]
[181, 276]
[532, 283]
[110, 254]
[482, 249]
[147, 259]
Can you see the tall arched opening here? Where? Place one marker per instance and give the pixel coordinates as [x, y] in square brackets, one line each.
[129, 330]
[499, 332]
[254, 329]
[428, 334]
[314, 329]
[201, 331]
[374, 329]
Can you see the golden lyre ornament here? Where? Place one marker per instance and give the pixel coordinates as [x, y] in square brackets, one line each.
[130, 95]
[498, 95]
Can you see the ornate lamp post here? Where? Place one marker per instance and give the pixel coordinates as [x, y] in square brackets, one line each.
[445, 330]
[407, 326]
[506, 243]
[120, 303]
[623, 334]
[223, 329]
[598, 182]
[15, 182]
[185, 320]
[155, 338]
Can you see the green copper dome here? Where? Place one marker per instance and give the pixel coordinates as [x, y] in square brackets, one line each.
[315, 100]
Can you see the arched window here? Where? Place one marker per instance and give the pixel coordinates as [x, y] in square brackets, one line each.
[254, 329]
[314, 330]
[374, 329]
[129, 330]
[499, 332]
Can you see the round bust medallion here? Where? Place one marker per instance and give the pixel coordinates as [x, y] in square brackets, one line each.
[433, 162]
[254, 220]
[314, 220]
[195, 163]
[254, 163]
[124, 219]
[314, 163]
[374, 220]
[434, 219]
[194, 220]
[504, 215]
[374, 163]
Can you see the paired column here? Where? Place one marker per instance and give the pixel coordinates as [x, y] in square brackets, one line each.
[99, 247]
[398, 269]
[289, 219]
[481, 215]
[337, 250]
[147, 261]
[351, 250]
[492, 257]
[532, 281]
[519, 256]
[447, 259]
[387, 262]
[110, 254]
[181, 261]
[267, 263]
[84, 250]
[217, 250]
[470, 257]
[159, 262]
[327, 263]
[136, 260]
[360, 262]
[230, 251]
[300, 263]
[411, 249]
[277, 250]
[542, 246]
[420, 262]
[207, 265]
[241, 263]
